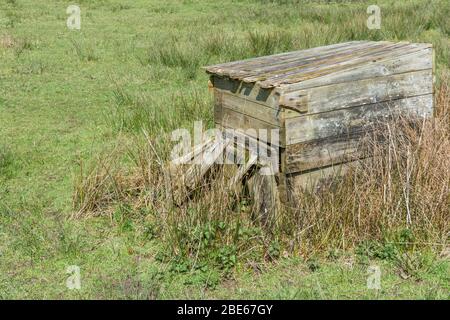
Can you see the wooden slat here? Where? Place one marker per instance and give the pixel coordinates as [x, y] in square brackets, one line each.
[253, 145]
[324, 152]
[311, 179]
[233, 119]
[228, 118]
[298, 66]
[224, 69]
[209, 155]
[415, 61]
[367, 91]
[253, 92]
[293, 67]
[341, 63]
[188, 157]
[248, 108]
[243, 170]
[302, 61]
[343, 121]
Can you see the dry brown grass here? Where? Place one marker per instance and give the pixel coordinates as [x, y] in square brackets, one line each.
[7, 41]
[404, 186]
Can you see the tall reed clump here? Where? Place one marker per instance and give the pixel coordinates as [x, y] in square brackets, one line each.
[403, 187]
[133, 112]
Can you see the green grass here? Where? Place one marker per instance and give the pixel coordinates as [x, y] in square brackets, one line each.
[67, 97]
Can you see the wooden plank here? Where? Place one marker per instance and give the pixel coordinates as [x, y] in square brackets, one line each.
[342, 63]
[211, 153]
[188, 157]
[367, 91]
[224, 69]
[415, 61]
[293, 67]
[243, 170]
[253, 146]
[266, 153]
[344, 121]
[225, 84]
[298, 66]
[248, 91]
[228, 118]
[324, 152]
[249, 108]
[266, 200]
[232, 119]
[310, 180]
[253, 92]
[254, 63]
[321, 58]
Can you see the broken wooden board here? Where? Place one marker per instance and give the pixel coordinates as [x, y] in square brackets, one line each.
[209, 155]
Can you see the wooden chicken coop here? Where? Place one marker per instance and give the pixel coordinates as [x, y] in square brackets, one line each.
[322, 101]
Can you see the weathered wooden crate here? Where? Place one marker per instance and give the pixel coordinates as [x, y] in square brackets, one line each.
[323, 100]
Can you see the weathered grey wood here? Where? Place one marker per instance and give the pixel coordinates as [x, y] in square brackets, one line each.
[209, 155]
[266, 200]
[188, 157]
[253, 145]
[293, 67]
[232, 119]
[344, 121]
[324, 152]
[273, 75]
[323, 101]
[313, 179]
[263, 67]
[228, 118]
[224, 69]
[225, 83]
[340, 64]
[390, 65]
[367, 91]
[301, 62]
[243, 169]
[247, 107]
[249, 91]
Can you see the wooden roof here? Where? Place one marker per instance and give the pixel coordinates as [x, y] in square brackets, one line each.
[292, 67]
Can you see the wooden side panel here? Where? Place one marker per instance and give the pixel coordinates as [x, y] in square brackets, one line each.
[315, 178]
[249, 126]
[324, 152]
[249, 91]
[249, 108]
[352, 60]
[346, 121]
[368, 91]
[249, 116]
[226, 117]
[414, 61]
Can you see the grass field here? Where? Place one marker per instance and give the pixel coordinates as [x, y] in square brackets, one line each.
[73, 106]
